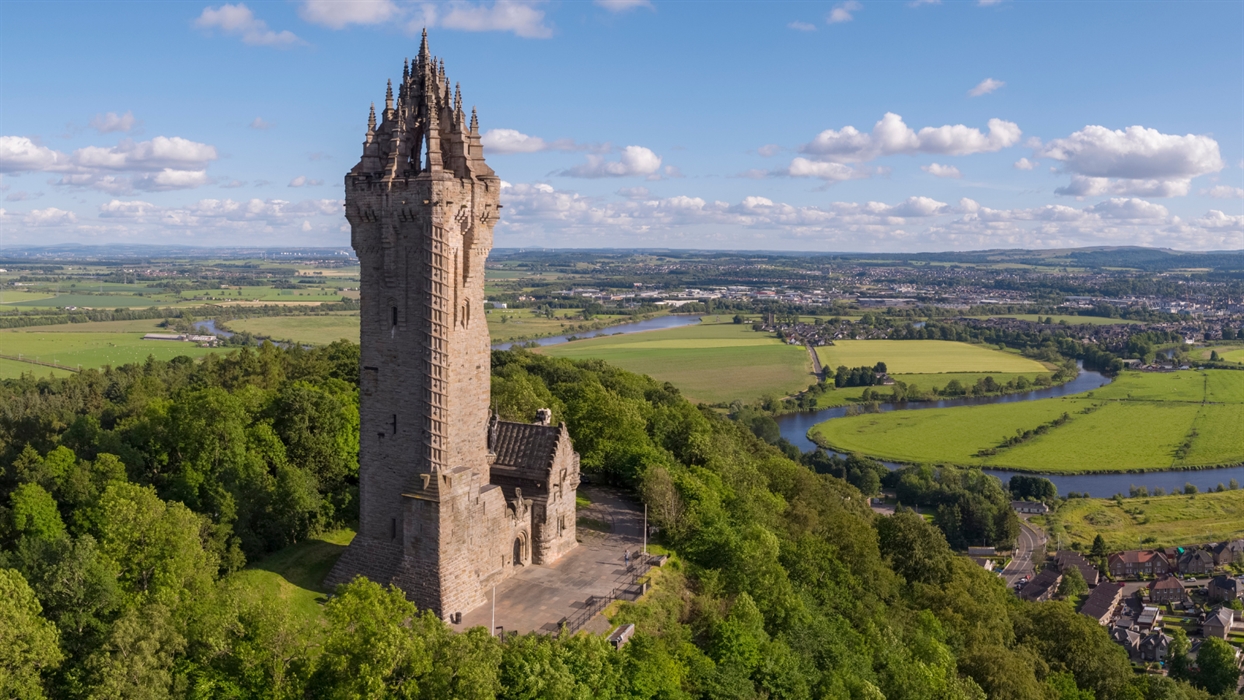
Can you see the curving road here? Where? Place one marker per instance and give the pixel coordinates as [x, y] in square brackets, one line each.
[1031, 539]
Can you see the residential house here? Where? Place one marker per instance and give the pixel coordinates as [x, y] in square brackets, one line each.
[984, 562]
[1030, 507]
[1043, 586]
[982, 552]
[1128, 639]
[1228, 552]
[1196, 562]
[1102, 601]
[1155, 646]
[1137, 562]
[1223, 588]
[1218, 623]
[1068, 558]
[1168, 589]
[1149, 618]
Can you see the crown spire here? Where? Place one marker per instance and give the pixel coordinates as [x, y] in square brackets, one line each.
[371, 120]
[388, 98]
[474, 121]
[423, 45]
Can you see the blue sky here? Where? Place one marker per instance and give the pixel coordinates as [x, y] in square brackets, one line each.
[845, 126]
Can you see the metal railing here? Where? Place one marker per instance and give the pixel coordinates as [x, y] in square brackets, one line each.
[630, 589]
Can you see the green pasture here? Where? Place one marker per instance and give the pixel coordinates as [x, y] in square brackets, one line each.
[1161, 521]
[1230, 354]
[21, 298]
[1129, 428]
[925, 357]
[312, 330]
[711, 363]
[146, 325]
[90, 349]
[94, 301]
[294, 576]
[1071, 320]
[12, 369]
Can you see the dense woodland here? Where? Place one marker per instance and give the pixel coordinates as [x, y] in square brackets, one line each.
[130, 497]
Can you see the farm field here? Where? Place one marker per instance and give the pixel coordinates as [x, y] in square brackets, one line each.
[12, 369]
[1071, 320]
[90, 349]
[925, 357]
[711, 363]
[1155, 521]
[93, 301]
[1231, 355]
[1121, 432]
[321, 330]
[130, 327]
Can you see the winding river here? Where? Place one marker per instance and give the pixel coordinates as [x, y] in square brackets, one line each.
[794, 427]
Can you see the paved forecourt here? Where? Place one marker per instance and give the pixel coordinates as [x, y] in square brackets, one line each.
[538, 597]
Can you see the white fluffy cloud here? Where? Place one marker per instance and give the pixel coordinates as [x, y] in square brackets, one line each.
[1135, 160]
[1025, 164]
[338, 14]
[304, 181]
[842, 12]
[523, 19]
[513, 141]
[634, 161]
[1224, 192]
[985, 87]
[20, 154]
[111, 122]
[1215, 220]
[163, 163]
[238, 20]
[622, 5]
[49, 217]
[891, 136]
[939, 170]
[834, 172]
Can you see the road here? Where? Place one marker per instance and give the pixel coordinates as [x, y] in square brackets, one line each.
[1031, 539]
[816, 361]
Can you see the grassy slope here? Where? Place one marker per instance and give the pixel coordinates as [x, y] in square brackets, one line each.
[1171, 520]
[1133, 431]
[925, 357]
[294, 574]
[91, 349]
[12, 369]
[708, 362]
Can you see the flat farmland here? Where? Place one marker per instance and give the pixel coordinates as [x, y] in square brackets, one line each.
[711, 363]
[1127, 428]
[1155, 521]
[91, 349]
[12, 369]
[1234, 355]
[311, 330]
[93, 301]
[925, 357]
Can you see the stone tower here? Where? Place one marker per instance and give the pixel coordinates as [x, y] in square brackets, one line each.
[422, 204]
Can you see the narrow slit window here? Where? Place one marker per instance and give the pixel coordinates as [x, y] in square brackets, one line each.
[393, 319]
[394, 423]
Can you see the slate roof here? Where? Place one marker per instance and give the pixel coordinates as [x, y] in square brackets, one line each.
[1102, 600]
[526, 445]
[1167, 582]
[1042, 584]
[1224, 583]
[1068, 558]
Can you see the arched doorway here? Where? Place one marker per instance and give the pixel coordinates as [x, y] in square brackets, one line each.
[520, 549]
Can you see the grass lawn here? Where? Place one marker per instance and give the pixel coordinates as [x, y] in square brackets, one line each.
[711, 363]
[925, 357]
[1071, 320]
[149, 325]
[1169, 520]
[294, 575]
[91, 349]
[1236, 355]
[1130, 429]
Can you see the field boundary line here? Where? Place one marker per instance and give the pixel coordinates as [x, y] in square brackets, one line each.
[54, 365]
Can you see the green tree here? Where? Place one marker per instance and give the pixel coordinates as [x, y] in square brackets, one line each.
[1219, 672]
[1098, 550]
[34, 513]
[1073, 583]
[137, 659]
[915, 549]
[28, 642]
[1177, 655]
[369, 648]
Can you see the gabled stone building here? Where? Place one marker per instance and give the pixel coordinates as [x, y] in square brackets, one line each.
[451, 499]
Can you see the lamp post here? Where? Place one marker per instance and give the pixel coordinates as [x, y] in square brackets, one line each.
[645, 529]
